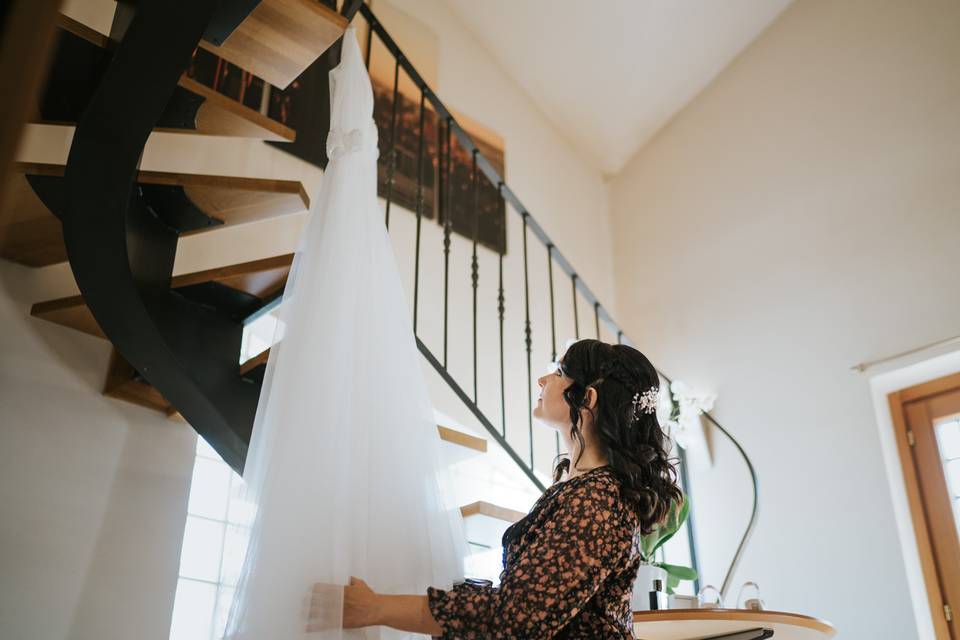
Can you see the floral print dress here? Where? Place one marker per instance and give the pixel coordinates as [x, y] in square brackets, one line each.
[568, 570]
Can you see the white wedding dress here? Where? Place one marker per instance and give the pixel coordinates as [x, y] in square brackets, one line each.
[344, 474]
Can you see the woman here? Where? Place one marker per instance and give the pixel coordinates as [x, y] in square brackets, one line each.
[570, 564]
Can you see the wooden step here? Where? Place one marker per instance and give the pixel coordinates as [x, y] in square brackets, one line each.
[33, 236]
[260, 278]
[263, 278]
[30, 234]
[492, 511]
[69, 312]
[221, 115]
[484, 523]
[461, 445]
[123, 383]
[462, 440]
[256, 361]
[279, 39]
[218, 115]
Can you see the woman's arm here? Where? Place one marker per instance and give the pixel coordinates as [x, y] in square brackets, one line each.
[552, 578]
[408, 613]
[362, 607]
[546, 586]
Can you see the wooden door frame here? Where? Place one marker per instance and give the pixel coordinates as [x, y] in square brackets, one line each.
[911, 480]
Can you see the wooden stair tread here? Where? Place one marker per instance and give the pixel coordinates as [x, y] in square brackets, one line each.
[447, 434]
[254, 362]
[235, 200]
[33, 235]
[70, 312]
[81, 30]
[132, 391]
[490, 510]
[260, 278]
[462, 439]
[279, 39]
[30, 234]
[121, 385]
[219, 115]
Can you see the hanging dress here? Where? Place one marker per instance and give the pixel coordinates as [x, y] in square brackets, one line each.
[344, 473]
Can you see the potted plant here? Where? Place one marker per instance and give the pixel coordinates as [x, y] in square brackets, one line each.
[650, 568]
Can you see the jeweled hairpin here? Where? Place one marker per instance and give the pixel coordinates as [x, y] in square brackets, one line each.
[645, 402]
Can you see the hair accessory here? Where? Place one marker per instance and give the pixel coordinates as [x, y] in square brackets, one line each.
[645, 402]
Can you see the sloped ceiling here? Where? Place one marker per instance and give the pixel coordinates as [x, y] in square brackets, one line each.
[610, 74]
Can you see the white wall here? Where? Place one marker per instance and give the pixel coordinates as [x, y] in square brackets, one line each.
[799, 217]
[93, 490]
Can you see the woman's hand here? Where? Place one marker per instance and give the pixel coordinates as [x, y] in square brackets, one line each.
[361, 606]
[364, 608]
[334, 606]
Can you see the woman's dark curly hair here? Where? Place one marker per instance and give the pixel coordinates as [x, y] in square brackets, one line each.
[634, 444]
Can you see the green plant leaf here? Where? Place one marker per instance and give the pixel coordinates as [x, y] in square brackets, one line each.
[648, 543]
[675, 520]
[678, 571]
[664, 531]
[673, 582]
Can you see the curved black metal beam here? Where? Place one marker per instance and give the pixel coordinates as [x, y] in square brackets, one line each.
[122, 252]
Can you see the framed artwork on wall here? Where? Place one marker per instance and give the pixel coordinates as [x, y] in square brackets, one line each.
[305, 107]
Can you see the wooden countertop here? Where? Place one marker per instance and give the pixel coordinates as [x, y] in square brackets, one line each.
[692, 624]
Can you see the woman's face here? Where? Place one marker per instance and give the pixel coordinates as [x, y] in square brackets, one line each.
[551, 408]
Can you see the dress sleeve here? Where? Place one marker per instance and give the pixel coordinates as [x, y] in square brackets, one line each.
[552, 577]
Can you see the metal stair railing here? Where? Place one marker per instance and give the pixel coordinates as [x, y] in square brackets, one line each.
[481, 165]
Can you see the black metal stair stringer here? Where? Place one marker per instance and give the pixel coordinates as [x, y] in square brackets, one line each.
[122, 253]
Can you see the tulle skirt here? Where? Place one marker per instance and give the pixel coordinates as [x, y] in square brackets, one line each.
[344, 474]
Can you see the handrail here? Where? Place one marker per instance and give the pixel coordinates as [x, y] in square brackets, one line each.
[483, 164]
[479, 415]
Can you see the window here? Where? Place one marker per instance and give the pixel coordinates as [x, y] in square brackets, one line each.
[948, 440]
[260, 332]
[214, 544]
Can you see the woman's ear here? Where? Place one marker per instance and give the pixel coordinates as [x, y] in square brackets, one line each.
[590, 399]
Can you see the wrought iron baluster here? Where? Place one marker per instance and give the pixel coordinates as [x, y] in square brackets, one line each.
[447, 228]
[528, 341]
[596, 317]
[392, 154]
[576, 316]
[500, 310]
[474, 266]
[553, 323]
[442, 190]
[419, 203]
[373, 24]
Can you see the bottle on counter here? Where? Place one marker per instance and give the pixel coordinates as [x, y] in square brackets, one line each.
[658, 597]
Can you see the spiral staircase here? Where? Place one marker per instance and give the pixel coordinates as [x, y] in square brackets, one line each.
[175, 339]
